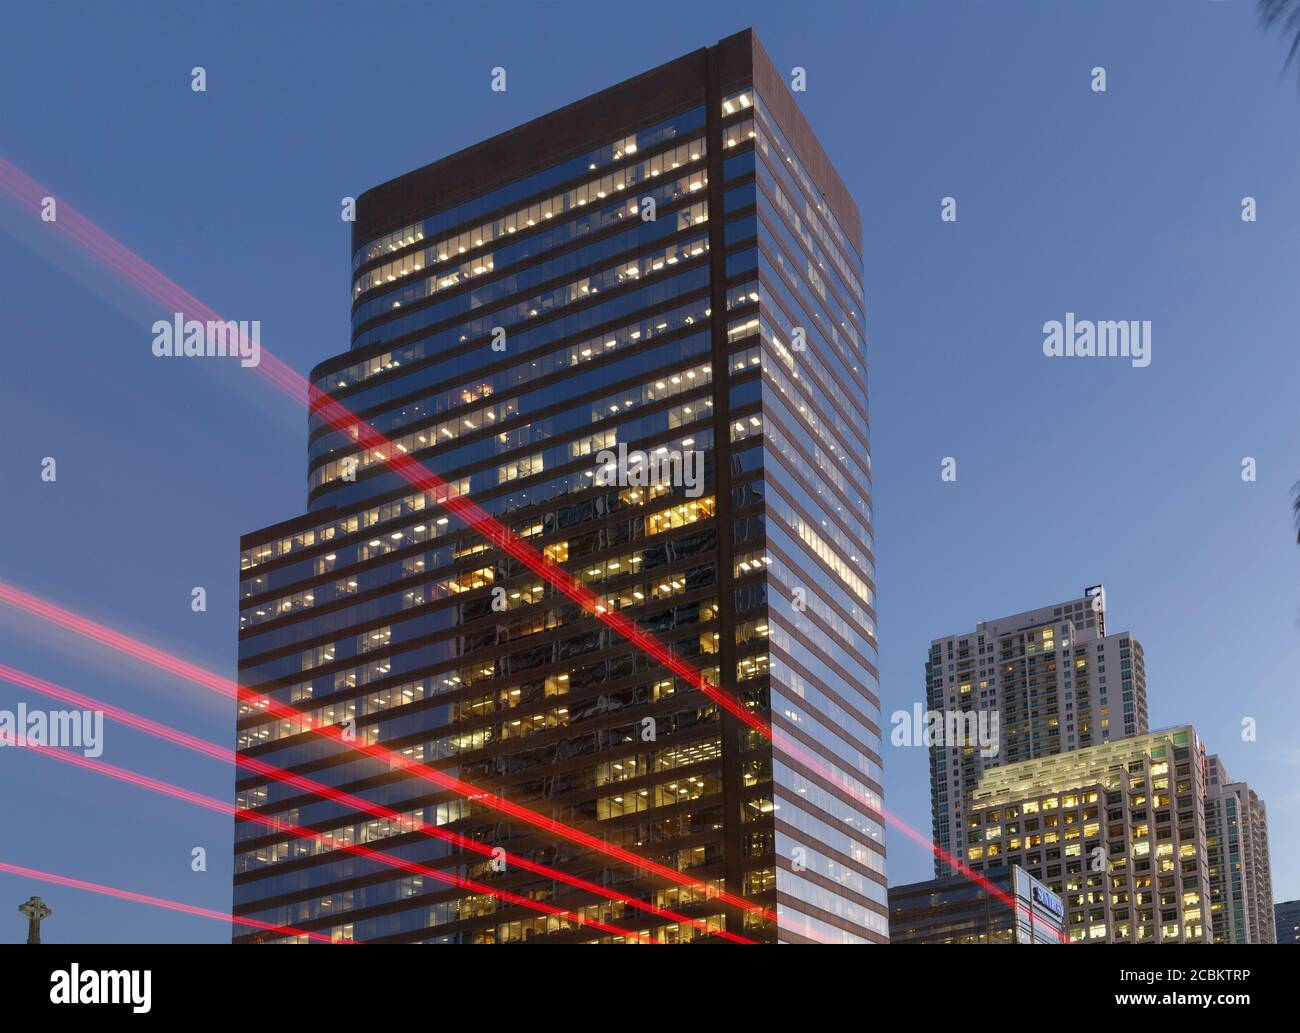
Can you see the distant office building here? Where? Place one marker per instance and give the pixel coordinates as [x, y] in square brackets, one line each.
[1241, 885]
[958, 910]
[1052, 679]
[665, 272]
[1117, 830]
[1286, 919]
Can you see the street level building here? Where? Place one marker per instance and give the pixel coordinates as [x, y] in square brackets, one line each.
[957, 910]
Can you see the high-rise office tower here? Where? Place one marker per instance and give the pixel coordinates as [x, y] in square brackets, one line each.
[1118, 831]
[1241, 884]
[632, 331]
[1045, 681]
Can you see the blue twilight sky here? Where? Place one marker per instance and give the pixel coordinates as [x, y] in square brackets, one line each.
[1122, 205]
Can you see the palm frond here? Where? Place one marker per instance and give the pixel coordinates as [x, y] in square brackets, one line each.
[1283, 15]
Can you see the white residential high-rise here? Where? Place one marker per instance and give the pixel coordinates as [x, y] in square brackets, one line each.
[1049, 680]
[1241, 884]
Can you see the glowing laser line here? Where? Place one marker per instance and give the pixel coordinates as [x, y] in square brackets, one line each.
[408, 824]
[324, 839]
[199, 676]
[156, 285]
[160, 902]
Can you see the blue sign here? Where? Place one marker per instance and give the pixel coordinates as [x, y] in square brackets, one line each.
[1049, 900]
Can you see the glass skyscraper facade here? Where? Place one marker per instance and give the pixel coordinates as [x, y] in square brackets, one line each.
[670, 269]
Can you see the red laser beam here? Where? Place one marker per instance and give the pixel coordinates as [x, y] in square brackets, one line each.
[15, 597]
[158, 286]
[197, 675]
[229, 756]
[222, 807]
[161, 902]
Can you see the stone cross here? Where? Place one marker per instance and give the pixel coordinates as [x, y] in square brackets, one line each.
[35, 910]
